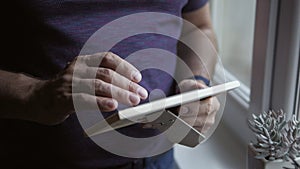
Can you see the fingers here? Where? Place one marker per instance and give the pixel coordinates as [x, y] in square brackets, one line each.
[201, 115]
[189, 112]
[114, 62]
[121, 95]
[112, 77]
[206, 120]
[100, 88]
[93, 82]
[88, 102]
[208, 123]
[189, 84]
[109, 76]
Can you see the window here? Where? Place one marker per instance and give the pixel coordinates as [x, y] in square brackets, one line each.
[286, 58]
[234, 26]
[259, 46]
[266, 60]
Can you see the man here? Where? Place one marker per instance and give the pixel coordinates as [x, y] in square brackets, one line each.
[38, 125]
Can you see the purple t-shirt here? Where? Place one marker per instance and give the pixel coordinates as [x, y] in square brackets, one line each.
[46, 34]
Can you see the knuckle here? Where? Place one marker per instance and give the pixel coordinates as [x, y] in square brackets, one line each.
[109, 54]
[99, 85]
[66, 78]
[105, 74]
[131, 86]
[81, 59]
[108, 57]
[65, 96]
[104, 88]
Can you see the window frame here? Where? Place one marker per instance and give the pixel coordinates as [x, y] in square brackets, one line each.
[286, 66]
[273, 27]
[297, 100]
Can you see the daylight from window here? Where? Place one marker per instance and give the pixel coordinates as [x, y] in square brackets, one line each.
[234, 25]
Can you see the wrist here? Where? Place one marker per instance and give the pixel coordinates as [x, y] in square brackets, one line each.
[202, 79]
[27, 96]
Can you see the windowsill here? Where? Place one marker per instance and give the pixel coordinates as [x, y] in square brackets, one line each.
[222, 150]
[236, 106]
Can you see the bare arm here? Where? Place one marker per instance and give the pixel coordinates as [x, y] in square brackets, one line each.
[204, 63]
[15, 89]
[51, 101]
[200, 114]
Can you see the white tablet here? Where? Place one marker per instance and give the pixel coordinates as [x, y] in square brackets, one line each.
[146, 112]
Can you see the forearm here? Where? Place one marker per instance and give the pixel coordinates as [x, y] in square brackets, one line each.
[15, 89]
[203, 60]
[197, 32]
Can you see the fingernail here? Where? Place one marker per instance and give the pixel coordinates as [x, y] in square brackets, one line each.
[134, 99]
[137, 76]
[143, 93]
[110, 103]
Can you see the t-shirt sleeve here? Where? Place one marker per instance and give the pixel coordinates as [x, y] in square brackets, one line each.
[193, 5]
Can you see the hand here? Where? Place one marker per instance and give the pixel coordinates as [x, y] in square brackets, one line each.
[200, 114]
[51, 101]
